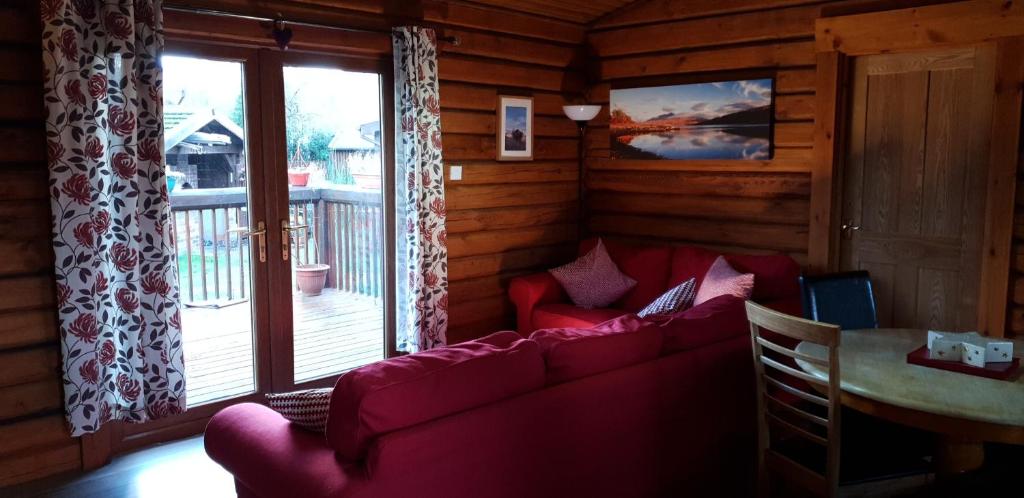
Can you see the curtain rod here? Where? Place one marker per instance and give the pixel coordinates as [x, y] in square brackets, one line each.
[454, 40]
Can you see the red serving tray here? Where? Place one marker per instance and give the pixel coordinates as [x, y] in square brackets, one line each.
[999, 371]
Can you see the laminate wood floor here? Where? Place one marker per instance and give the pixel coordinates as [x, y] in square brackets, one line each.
[178, 469]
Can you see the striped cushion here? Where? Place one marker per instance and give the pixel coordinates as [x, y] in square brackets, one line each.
[678, 298]
[593, 280]
[307, 409]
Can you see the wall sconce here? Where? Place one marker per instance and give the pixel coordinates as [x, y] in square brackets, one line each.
[581, 114]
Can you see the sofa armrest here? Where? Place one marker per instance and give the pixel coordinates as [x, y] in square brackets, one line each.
[265, 452]
[528, 292]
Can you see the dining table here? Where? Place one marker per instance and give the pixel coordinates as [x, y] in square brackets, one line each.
[963, 410]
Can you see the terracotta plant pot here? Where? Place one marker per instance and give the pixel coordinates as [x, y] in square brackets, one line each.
[298, 178]
[311, 278]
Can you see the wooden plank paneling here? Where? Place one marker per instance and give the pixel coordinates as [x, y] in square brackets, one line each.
[495, 241]
[787, 210]
[495, 72]
[740, 234]
[34, 442]
[762, 26]
[491, 172]
[514, 49]
[951, 24]
[472, 220]
[486, 19]
[708, 202]
[40, 462]
[504, 218]
[708, 59]
[660, 11]
[701, 184]
[490, 264]
[517, 194]
[24, 400]
[29, 365]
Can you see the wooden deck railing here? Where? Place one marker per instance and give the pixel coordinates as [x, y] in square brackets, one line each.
[345, 232]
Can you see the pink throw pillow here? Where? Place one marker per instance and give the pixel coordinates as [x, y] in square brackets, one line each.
[593, 280]
[722, 280]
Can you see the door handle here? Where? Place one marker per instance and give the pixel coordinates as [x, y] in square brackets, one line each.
[848, 228]
[260, 232]
[286, 237]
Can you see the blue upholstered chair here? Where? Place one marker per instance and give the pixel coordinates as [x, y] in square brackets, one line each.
[843, 299]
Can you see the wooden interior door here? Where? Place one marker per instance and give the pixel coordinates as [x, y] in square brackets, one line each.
[915, 183]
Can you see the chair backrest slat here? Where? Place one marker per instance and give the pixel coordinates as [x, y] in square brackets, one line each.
[775, 364]
[794, 372]
[796, 355]
[806, 396]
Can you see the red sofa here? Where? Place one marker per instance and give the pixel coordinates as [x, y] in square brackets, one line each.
[542, 303]
[515, 417]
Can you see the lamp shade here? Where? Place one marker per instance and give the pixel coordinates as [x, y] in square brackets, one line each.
[581, 112]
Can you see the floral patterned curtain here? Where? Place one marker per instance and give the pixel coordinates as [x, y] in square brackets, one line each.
[422, 263]
[116, 272]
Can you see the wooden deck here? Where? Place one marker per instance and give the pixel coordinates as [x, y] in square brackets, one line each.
[334, 332]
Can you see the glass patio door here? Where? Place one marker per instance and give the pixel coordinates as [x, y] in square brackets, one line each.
[275, 166]
[333, 226]
[218, 220]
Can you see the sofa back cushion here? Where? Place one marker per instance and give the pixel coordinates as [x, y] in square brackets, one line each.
[572, 353]
[409, 390]
[776, 276]
[716, 320]
[648, 265]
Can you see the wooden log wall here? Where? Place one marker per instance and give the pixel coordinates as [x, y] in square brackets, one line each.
[744, 206]
[748, 206]
[505, 218]
[1015, 323]
[33, 440]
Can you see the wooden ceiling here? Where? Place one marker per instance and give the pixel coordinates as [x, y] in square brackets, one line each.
[577, 11]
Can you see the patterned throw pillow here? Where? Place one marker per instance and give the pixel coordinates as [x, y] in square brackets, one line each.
[593, 280]
[721, 280]
[678, 298]
[307, 409]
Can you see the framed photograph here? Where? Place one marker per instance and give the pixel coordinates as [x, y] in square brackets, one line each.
[515, 128]
[717, 120]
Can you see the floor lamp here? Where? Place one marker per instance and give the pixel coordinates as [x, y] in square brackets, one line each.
[581, 114]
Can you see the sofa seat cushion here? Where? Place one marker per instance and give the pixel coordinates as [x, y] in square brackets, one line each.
[572, 353]
[648, 265]
[716, 320]
[409, 390]
[562, 315]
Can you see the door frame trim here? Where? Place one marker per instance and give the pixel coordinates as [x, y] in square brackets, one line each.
[837, 39]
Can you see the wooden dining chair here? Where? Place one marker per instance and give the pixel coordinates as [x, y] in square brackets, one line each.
[797, 413]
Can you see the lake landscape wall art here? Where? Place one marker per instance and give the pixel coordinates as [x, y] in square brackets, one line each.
[719, 120]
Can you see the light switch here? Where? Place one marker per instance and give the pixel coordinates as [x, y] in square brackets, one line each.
[455, 173]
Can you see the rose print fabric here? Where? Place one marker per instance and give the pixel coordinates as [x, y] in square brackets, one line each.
[116, 273]
[422, 263]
